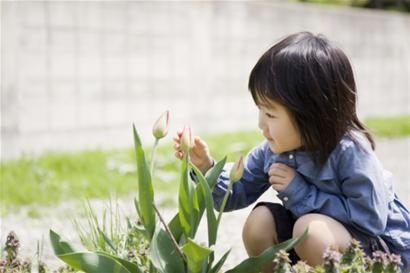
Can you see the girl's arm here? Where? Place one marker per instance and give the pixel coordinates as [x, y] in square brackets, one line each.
[249, 188]
[364, 199]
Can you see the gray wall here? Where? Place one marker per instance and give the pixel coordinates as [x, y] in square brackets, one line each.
[76, 74]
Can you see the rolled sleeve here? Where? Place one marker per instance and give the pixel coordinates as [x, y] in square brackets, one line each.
[293, 195]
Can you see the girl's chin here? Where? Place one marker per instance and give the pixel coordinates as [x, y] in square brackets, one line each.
[273, 148]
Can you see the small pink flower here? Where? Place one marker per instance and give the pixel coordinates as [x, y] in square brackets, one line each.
[186, 139]
[160, 128]
[237, 170]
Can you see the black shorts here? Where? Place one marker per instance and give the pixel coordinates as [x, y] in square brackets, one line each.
[284, 222]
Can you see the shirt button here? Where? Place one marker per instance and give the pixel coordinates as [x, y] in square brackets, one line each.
[285, 198]
[291, 156]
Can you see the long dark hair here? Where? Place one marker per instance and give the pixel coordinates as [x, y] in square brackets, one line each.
[313, 79]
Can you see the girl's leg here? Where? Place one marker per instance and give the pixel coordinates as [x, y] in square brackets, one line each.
[259, 233]
[323, 232]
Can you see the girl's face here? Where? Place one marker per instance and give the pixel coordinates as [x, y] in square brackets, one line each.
[278, 128]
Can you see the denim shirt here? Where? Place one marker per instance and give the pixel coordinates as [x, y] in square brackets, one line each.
[351, 187]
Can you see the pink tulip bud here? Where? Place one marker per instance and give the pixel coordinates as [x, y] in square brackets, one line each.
[161, 126]
[236, 171]
[186, 139]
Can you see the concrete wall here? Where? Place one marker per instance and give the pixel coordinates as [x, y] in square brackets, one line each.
[76, 74]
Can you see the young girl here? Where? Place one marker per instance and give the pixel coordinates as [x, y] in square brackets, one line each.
[317, 155]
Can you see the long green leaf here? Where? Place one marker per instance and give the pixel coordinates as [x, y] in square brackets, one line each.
[84, 260]
[215, 172]
[107, 240]
[196, 215]
[196, 255]
[93, 263]
[199, 210]
[163, 254]
[175, 227]
[211, 179]
[207, 196]
[131, 267]
[220, 263]
[60, 247]
[255, 264]
[145, 189]
[184, 200]
[140, 228]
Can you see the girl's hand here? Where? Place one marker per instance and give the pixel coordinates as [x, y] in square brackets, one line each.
[280, 175]
[199, 153]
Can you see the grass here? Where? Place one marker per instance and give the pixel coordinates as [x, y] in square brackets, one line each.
[390, 6]
[57, 177]
[390, 126]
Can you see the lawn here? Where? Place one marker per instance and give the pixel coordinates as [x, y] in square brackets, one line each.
[389, 127]
[56, 177]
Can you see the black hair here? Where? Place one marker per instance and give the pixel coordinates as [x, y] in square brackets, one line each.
[313, 79]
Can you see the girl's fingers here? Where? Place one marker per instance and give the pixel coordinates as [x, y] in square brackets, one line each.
[177, 138]
[277, 187]
[179, 154]
[276, 179]
[277, 172]
[199, 143]
[279, 166]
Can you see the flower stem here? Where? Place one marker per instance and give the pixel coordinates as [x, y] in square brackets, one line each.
[169, 233]
[221, 209]
[154, 149]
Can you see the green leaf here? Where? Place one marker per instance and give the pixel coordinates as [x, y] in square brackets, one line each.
[131, 267]
[93, 263]
[175, 227]
[184, 200]
[199, 203]
[196, 214]
[255, 264]
[107, 240]
[139, 228]
[196, 255]
[86, 261]
[163, 254]
[207, 196]
[199, 210]
[145, 189]
[60, 247]
[220, 263]
[215, 172]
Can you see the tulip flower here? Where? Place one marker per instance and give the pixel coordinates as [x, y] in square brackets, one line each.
[160, 128]
[186, 139]
[236, 171]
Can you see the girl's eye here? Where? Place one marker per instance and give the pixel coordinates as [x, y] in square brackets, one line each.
[269, 115]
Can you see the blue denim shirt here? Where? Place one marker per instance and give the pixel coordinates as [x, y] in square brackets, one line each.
[351, 187]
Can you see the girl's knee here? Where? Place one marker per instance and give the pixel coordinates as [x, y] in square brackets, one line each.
[323, 232]
[304, 222]
[259, 230]
[259, 223]
[324, 227]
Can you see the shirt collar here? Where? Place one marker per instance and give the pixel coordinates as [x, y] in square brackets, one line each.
[304, 164]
